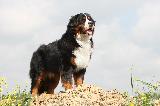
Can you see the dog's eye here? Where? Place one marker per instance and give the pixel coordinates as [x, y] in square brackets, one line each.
[88, 17]
[84, 18]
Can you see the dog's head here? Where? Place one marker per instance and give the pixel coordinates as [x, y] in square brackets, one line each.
[82, 25]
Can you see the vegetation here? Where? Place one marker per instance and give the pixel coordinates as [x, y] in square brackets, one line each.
[145, 94]
[17, 97]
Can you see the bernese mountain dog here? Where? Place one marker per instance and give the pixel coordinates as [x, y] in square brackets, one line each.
[64, 58]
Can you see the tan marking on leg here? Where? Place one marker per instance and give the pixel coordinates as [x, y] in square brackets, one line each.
[67, 85]
[53, 84]
[37, 84]
[78, 79]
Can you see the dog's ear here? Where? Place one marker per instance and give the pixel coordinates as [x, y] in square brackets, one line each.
[70, 24]
[71, 17]
[73, 21]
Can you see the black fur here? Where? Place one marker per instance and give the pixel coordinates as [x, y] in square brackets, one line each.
[55, 58]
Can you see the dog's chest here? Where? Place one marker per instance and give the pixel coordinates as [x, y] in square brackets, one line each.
[82, 54]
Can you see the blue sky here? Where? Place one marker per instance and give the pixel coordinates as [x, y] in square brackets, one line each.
[127, 33]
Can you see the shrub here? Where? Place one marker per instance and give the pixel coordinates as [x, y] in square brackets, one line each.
[17, 97]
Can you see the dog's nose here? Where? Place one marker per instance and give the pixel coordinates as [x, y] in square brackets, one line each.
[90, 23]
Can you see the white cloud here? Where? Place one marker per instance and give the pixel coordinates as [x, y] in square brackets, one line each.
[147, 29]
[20, 18]
[115, 53]
[146, 37]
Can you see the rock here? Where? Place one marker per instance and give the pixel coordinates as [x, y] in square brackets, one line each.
[157, 102]
[84, 95]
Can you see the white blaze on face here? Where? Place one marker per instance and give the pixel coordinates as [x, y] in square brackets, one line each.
[86, 25]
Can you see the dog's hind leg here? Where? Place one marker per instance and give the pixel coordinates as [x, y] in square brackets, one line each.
[52, 84]
[36, 84]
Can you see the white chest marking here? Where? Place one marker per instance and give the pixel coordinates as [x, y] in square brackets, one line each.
[82, 54]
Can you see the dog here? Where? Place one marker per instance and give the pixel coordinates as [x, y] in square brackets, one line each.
[64, 58]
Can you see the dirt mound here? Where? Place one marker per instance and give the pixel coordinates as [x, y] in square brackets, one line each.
[85, 95]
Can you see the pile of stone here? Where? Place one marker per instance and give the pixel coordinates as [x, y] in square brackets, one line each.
[85, 95]
[157, 103]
